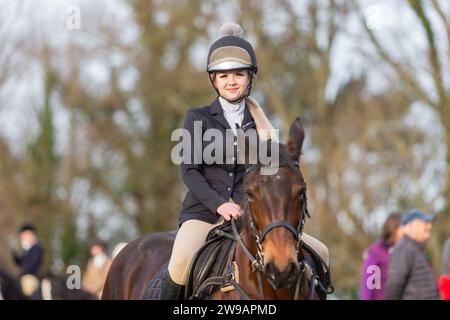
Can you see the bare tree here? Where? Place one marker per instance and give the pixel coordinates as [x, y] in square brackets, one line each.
[433, 63]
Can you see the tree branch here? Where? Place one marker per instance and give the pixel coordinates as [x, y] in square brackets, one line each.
[404, 75]
[417, 7]
[446, 22]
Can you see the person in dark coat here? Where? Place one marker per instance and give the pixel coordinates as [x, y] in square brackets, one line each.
[215, 186]
[29, 260]
[30, 257]
[411, 276]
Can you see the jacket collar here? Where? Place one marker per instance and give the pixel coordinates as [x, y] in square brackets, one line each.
[247, 121]
[216, 111]
[417, 244]
[215, 107]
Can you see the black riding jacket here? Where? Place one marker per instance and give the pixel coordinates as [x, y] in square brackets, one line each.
[211, 185]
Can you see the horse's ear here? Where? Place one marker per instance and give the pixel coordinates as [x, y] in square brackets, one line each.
[296, 137]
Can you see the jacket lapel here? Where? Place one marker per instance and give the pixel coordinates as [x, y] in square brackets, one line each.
[248, 121]
[215, 109]
[216, 112]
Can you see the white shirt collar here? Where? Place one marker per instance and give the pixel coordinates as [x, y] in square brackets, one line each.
[233, 113]
[228, 107]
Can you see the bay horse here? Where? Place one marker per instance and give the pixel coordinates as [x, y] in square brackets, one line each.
[269, 256]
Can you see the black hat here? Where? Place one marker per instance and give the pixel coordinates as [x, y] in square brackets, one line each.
[27, 227]
[100, 242]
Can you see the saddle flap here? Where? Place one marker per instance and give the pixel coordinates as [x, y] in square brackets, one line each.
[320, 268]
[210, 260]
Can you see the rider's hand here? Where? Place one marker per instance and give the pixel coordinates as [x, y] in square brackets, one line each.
[230, 210]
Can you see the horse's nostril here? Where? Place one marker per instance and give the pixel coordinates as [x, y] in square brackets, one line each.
[270, 270]
[292, 269]
[281, 279]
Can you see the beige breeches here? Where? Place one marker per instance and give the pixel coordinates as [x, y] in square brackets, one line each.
[192, 235]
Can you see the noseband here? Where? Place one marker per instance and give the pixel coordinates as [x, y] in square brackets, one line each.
[297, 231]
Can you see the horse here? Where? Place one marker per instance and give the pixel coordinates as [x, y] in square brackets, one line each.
[269, 254]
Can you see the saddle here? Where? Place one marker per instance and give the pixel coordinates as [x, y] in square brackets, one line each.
[206, 270]
[206, 273]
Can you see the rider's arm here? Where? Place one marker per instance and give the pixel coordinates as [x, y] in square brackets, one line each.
[192, 172]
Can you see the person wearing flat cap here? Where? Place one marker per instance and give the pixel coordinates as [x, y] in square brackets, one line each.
[411, 276]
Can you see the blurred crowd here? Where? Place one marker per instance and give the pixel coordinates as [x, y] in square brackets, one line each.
[28, 256]
[396, 266]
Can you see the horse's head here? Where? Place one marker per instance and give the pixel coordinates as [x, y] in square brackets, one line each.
[277, 208]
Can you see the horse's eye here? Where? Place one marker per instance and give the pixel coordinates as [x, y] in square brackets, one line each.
[250, 195]
[301, 195]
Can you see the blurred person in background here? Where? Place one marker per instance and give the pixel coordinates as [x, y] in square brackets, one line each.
[97, 268]
[28, 258]
[444, 280]
[445, 262]
[377, 255]
[30, 255]
[411, 276]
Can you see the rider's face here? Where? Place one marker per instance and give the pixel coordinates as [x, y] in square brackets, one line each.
[232, 84]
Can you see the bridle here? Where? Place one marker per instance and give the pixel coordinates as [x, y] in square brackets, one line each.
[297, 231]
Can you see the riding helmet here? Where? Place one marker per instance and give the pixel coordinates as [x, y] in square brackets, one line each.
[231, 51]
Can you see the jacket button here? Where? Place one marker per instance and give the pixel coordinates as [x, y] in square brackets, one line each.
[230, 174]
[228, 189]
